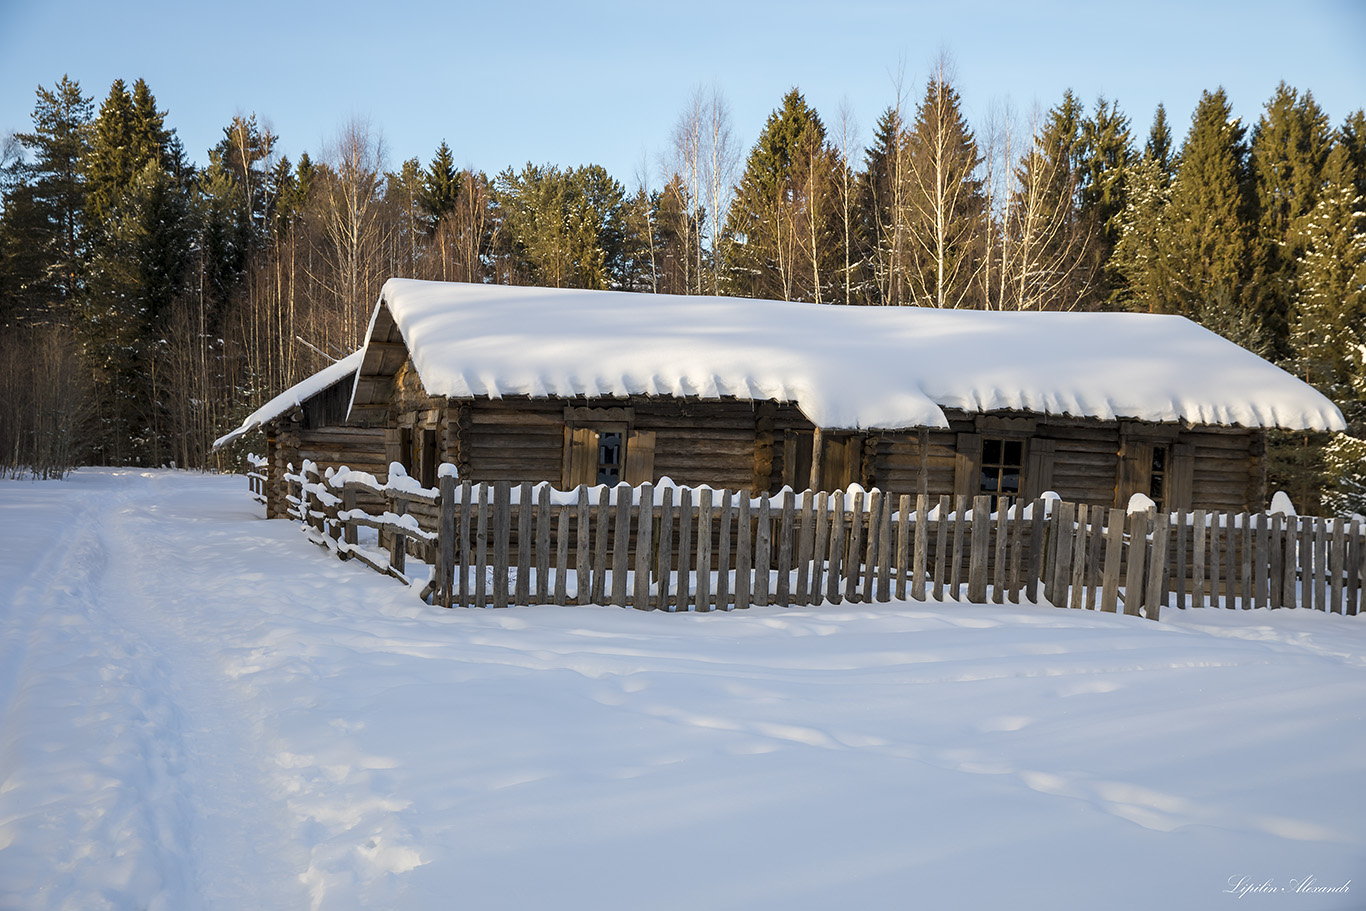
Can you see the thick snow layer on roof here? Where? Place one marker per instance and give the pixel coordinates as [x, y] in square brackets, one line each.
[295, 395]
[845, 367]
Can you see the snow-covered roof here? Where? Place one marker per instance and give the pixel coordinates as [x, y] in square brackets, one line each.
[295, 395]
[845, 367]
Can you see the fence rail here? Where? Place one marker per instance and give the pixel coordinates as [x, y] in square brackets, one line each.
[677, 548]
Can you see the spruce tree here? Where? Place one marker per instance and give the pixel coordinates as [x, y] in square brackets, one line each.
[441, 188]
[781, 239]
[1205, 236]
[881, 208]
[1289, 148]
[1352, 136]
[42, 227]
[1159, 145]
[1107, 148]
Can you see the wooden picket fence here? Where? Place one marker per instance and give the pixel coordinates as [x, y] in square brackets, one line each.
[493, 545]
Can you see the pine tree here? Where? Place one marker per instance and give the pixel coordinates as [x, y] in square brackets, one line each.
[947, 206]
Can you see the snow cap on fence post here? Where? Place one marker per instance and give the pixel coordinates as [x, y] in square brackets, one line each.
[1281, 505]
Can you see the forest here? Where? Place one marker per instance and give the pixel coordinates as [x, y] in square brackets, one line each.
[147, 304]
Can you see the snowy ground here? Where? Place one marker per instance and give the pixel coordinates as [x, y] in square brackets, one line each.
[201, 710]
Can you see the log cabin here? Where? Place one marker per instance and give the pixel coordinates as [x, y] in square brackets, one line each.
[598, 387]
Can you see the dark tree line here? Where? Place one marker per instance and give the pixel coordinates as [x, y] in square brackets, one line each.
[147, 304]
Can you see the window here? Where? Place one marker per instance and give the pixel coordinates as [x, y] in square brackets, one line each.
[1002, 469]
[1157, 480]
[610, 460]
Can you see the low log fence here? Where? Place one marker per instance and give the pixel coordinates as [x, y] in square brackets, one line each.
[256, 477]
[677, 548]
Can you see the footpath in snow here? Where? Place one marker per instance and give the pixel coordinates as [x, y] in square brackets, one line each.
[201, 710]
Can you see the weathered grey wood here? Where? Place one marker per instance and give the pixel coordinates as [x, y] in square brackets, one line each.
[398, 544]
[1002, 537]
[1336, 564]
[445, 566]
[524, 543]
[562, 556]
[1036, 552]
[866, 593]
[1094, 556]
[644, 544]
[664, 559]
[960, 518]
[1198, 545]
[1134, 578]
[821, 518]
[853, 554]
[1061, 549]
[1231, 563]
[621, 544]
[783, 592]
[1017, 550]
[922, 548]
[481, 562]
[802, 595]
[1290, 578]
[1353, 568]
[702, 597]
[683, 595]
[1320, 564]
[744, 553]
[1157, 566]
[763, 558]
[1245, 552]
[941, 551]
[1180, 555]
[543, 520]
[1276, 545]
[979, 549]
[466, 507]
[1114, 554]
[1262, 560]
[603, 521]
[1216, 576]
[583, 570]
[834, 568]
[349, 503]
[724, 519]
[1307, 571]
[884, 550]
[903, 545]
[502, 541]
[1077, 584]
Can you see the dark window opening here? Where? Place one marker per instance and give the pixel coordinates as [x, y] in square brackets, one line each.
[611, 458]
[1157, 482]
[1002, 470]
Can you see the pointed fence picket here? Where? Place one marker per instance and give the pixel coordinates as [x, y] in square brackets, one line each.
[673, 548]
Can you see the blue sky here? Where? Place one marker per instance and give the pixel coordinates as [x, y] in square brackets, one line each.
[604, 82]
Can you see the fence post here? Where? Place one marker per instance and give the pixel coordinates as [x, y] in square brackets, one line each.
[398, 544]
[1157, 567]
[1077, 584]
[744, 553]
[1138, 547]
[522, 591]
[502, 541]
[644, 543]
[464, 544]
[870, 567]
[723, 548]
[445, 558]
[562, 556]
[683, 595]
[803, 593]
[854, 554]
[836, 552]
[543, 519]
[481, 561]
[784, 587]
[821, 517]
[763, 560]
[664, 574]
[702, 597]
[1036, 542]
[977, 554]
[1114, 554]
[922, 533]
[583, 566]
[621, 543]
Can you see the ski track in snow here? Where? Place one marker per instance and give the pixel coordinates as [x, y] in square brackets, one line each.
[199, 710]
